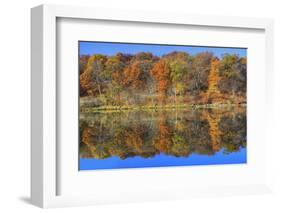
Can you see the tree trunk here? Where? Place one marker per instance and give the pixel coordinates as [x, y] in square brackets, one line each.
[99, 89]
[175, 94]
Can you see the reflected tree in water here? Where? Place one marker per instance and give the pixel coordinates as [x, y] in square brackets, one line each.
[172, 132]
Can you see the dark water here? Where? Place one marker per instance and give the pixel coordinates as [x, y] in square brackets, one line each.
[134, 139]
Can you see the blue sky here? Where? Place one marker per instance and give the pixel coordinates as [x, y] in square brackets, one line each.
[109, 48]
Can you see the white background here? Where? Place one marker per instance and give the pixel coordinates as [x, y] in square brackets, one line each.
[15, 105]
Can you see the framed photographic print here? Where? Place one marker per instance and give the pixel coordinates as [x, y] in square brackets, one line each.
[149, 106]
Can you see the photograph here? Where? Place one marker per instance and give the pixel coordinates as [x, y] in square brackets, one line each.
[160, 105]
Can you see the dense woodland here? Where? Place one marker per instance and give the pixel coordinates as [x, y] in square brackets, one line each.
[176, 78]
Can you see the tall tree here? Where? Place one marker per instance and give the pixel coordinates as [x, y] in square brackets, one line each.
[233, 72]
[198, 76]
[137, 76]
[179, 65]
[161, 74]
[114, 68]
[213, 93]
[93, 78]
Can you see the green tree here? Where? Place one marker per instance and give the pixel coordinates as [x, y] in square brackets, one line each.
[233, 72]
[114, 68]
[180, 66]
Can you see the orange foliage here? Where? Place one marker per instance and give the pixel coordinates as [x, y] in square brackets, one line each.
[86, 135]
[161, 74]
[118, 77]
[134, 138]
[163, 142]
[132, 76]
[213, 94]
[214, 130]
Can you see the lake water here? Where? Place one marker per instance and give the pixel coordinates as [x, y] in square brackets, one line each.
[183, 137]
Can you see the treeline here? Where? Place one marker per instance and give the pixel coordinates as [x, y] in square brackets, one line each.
[174, 78]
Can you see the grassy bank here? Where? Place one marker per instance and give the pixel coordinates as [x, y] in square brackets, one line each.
[157, 107]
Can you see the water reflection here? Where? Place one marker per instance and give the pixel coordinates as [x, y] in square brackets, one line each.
[177, 133]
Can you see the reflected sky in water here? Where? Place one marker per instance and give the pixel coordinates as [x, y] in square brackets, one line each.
[163, 160]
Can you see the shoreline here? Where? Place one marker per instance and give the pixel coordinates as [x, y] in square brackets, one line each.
[109, 109]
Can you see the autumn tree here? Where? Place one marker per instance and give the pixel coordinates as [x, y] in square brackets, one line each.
[114, 67]
[134, 76]
[233, 72]
[201, 66]
[93, 78]
[179, 65]
[161, 74]
[137, 74]
[83, 60]
[243, 73]
[213, 93]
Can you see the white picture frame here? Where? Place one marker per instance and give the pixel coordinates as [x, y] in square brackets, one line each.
[44, 134]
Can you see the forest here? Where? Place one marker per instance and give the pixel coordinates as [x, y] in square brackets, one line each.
[176, 79]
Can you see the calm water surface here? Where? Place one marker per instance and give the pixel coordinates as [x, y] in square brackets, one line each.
[135, 139]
